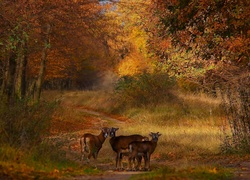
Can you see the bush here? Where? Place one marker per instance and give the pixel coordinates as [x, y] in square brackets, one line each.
[188, 85]
[144, 89]
[23, 125]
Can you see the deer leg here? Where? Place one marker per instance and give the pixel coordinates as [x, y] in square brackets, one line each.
[120, 161]
[116, 161]
[147, 162]
[95, 154]
[131, 158]
[133, 167]
[129, 162]
[88, 157]
[83, 152]
[95, 158]
[135, 157]
[139, 159]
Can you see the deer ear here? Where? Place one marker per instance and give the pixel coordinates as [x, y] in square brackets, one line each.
[116, 129]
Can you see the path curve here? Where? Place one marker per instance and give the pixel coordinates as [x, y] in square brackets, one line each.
[101, 115]
[71, 145]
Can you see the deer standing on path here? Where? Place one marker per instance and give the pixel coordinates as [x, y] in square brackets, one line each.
[144, 148]
[92, 144]
[120, 144]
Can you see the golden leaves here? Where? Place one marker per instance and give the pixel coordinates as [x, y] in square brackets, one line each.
[131, 65]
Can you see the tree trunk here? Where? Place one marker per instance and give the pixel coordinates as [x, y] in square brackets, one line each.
[10, 81]
[5, 76]
[40, 78]
[20, 76]
[24, 70]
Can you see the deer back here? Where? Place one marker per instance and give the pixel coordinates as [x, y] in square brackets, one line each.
[122, 142]
[143, 146]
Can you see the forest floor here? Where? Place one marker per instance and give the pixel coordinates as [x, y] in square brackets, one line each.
[69, 134]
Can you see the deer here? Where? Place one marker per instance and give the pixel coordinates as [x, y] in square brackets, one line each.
[120, 144]
[144, 148]
[91, 144]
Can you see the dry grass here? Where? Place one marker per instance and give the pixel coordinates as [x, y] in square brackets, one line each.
[190, 127]
[179, 142]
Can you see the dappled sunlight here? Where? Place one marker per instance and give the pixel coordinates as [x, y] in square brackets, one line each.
[203, 137]
[190, 134]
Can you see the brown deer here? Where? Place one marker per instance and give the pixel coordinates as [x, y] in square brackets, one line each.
[120, 144]
[92, 144]
[144, 148]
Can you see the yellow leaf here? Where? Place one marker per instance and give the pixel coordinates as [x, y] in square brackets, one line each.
[214, 170]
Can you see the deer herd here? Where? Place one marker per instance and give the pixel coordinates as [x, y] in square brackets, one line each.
[135, 147]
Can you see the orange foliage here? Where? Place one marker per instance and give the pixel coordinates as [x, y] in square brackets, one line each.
[215, 28]
[58, 66]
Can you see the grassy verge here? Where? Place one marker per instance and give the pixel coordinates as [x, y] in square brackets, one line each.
[26, 150]
[42, 162]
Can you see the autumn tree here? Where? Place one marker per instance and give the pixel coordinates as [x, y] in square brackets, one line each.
[217, 34]
[130, 43]
[31, 30]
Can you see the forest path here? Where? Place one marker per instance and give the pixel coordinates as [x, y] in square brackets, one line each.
[69, 139]
[106, 157]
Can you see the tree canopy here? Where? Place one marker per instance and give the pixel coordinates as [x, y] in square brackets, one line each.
[70, 43]
[215, 31]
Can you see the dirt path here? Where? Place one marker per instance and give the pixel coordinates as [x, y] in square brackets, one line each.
[106, 157]
[107, 176]
[243, 172]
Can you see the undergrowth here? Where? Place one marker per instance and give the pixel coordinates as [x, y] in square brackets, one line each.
[24, 124]
[25, 151]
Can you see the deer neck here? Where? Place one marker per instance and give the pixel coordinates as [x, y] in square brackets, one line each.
[154, 143]
[101, 137]
[111, 140]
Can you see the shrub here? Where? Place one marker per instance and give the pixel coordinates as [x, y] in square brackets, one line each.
[144, 89]
[23, 125]
[188, 85]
